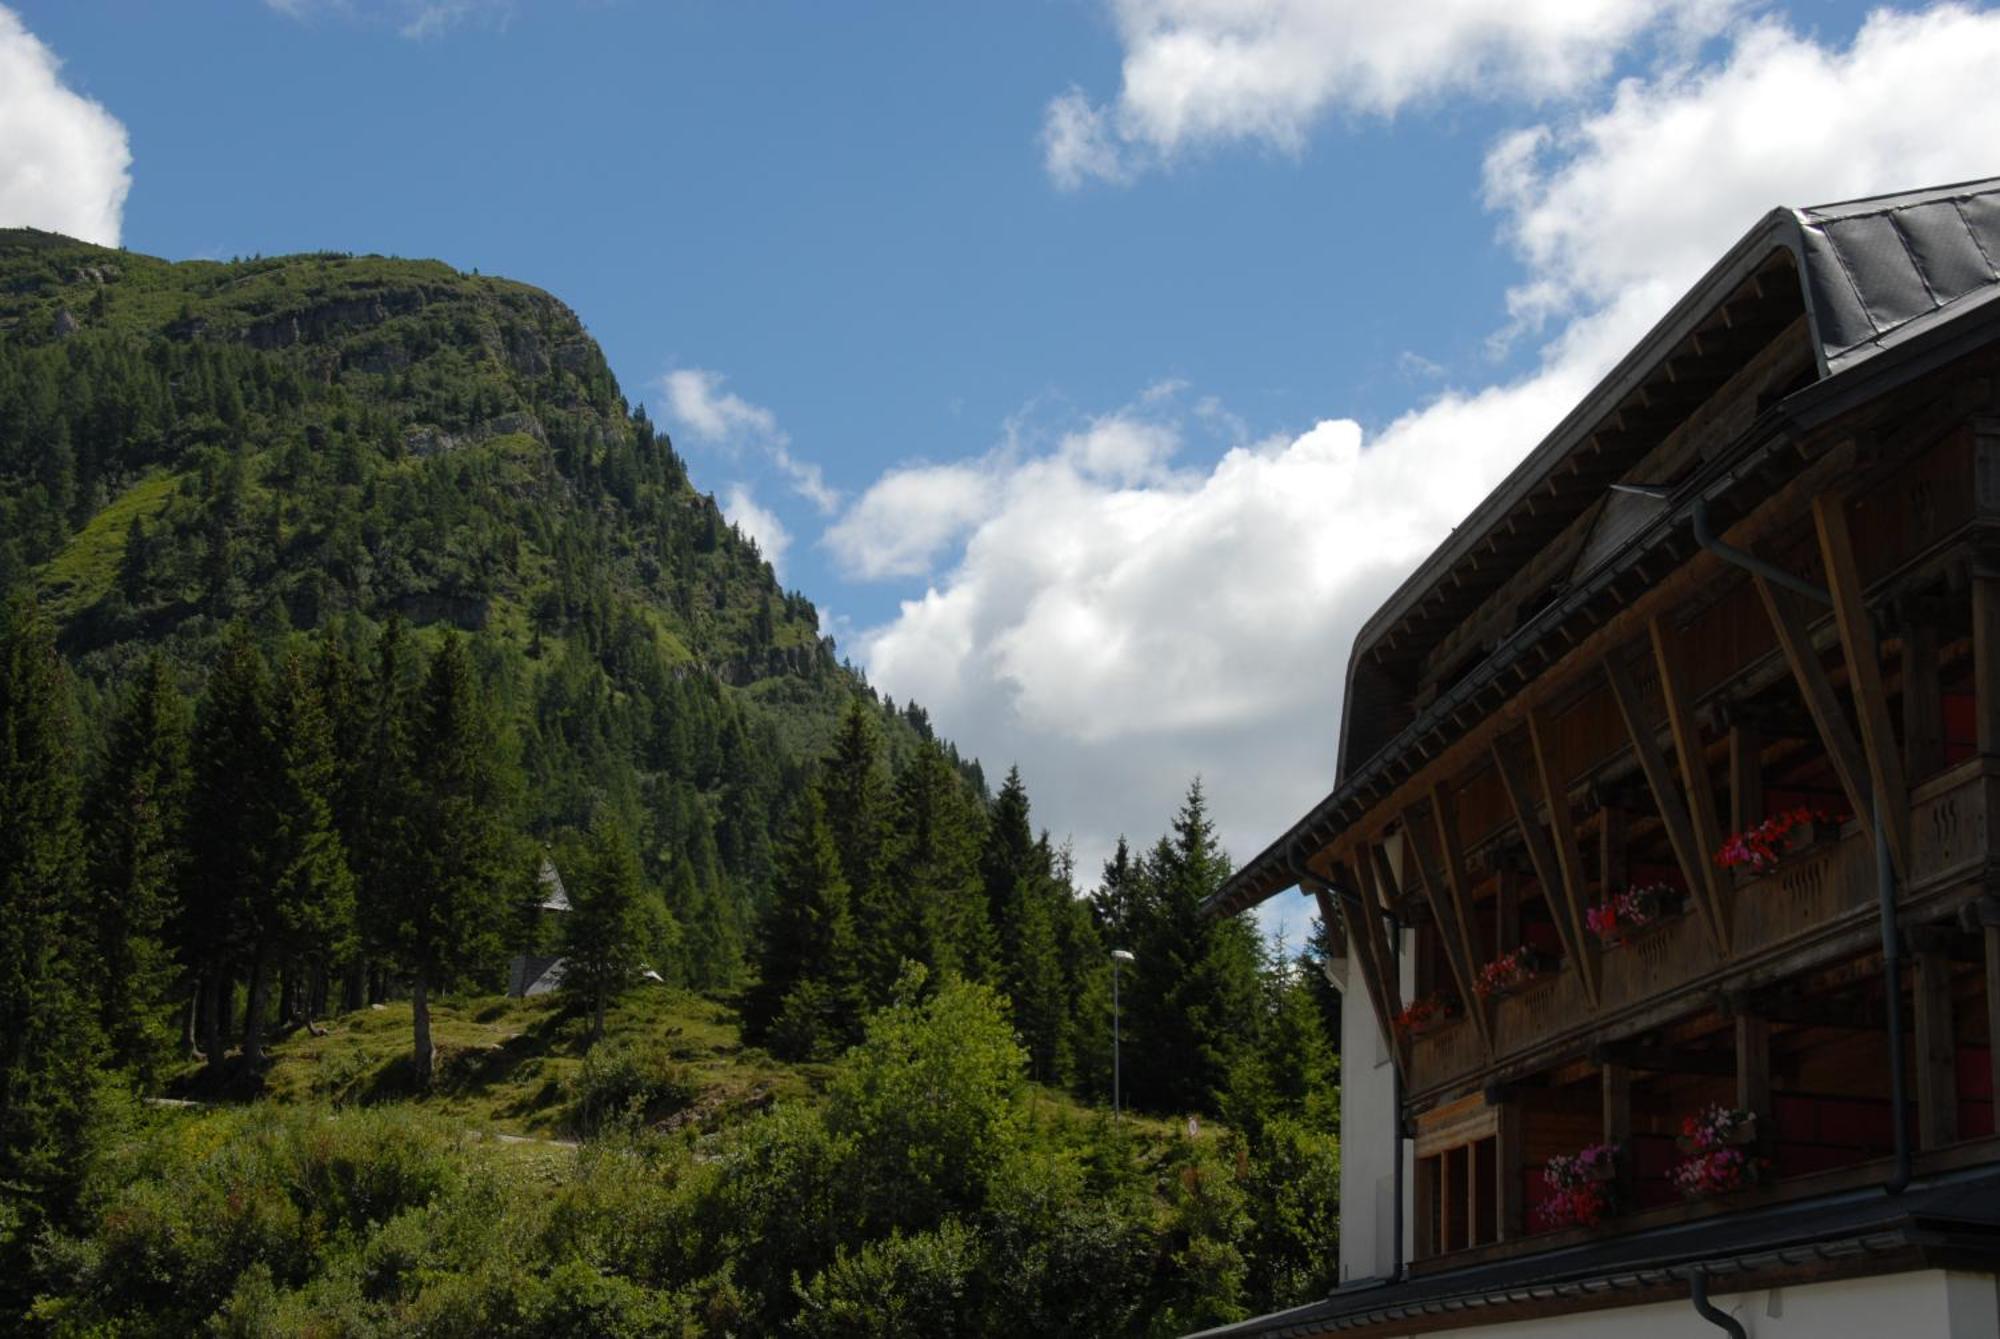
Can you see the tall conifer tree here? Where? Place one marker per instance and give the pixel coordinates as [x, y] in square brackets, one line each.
[444, 915]
[48, 1038]
[807, 997]
[137, 821]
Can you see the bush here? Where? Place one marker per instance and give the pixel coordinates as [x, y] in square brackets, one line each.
[623, 1084]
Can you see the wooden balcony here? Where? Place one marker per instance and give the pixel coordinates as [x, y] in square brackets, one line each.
[1816, 908]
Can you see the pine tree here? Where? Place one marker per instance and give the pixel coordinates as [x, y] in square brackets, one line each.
[935, 911]
[234, 777]
[137, 818]
[1194, 1004]
[48, 1038]
[807, 999]
[853, 783]
[312, 888]
[442, 914]
[612, 923]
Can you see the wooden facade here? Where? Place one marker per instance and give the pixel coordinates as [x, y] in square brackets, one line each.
[1763, 598]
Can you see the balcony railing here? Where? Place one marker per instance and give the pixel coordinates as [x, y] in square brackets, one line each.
[1815, 908]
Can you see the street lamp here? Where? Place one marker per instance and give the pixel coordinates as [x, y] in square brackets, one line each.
[1119, 957]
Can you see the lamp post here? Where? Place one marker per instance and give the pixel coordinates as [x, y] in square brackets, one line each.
[1119, 957]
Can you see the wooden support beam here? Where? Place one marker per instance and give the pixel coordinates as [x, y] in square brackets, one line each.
[1864, 673]
[1991, 931]
[1986, 664]
[1451, 868]
[1746, 775]
[1585, 653]
[1614, 850]
[1442, 889]
[1923, 701]
[1387, 966]
[1541, 854]
[1688, 854]
[1788, 621]
[1363, 947]
[1615, 1087]
[1509, 1159]
[1562, 831]
[1936, 1057]
[1753, 1064]
[1693, 758]
[1663, 1060]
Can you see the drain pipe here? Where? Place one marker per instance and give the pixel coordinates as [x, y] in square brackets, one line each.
[1359, 909]
[1707, 1310]
[1885, 872]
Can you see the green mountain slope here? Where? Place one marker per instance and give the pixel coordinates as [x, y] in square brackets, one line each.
[312, 444]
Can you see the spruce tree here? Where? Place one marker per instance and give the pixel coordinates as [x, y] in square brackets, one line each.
[806, 1002]
[234, 777]
[935, 908]
[312, 888]
[1193, 1004]
[137, 817]
[613, 922]
[48, 1038]
[442, 914]
[853, 783]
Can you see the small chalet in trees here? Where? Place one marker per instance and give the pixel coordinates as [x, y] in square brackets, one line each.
[1663, 847]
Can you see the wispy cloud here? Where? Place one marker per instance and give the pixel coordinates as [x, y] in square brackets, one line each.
[65, 162]
[695, 400]
[414, 19]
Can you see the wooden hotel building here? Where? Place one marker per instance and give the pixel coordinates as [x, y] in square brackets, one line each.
[1661, 851]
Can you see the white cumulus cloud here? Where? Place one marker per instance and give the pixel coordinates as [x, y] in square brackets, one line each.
[1119, 619]
[1206, 72]
[65, 162]
[696, 400]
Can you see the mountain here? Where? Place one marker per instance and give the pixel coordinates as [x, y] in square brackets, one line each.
[311, 445]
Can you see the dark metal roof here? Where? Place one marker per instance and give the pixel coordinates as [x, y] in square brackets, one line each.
[1870, 276]
[1954, 1218]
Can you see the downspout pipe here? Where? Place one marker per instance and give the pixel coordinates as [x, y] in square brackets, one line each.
[1885, 871]
[1707, 1310]
[1360, 908]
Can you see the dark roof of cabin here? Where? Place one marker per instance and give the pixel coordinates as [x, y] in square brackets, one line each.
[1870, 276]
[1954, 1219]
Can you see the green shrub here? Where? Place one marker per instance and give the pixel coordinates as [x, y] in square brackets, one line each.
[620, 1083]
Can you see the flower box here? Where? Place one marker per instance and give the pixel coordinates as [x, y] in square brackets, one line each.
[1511, 972]
[1622, 917]
[1582, 1186]
[1717, 1142]
[1761, 849]
[1426, 1014]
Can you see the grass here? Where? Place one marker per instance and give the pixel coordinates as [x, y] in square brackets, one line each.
[81, 574]
[507, 1066]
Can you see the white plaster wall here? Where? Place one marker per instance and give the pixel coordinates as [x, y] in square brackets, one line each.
[1367, 1137]
[1930, 1304]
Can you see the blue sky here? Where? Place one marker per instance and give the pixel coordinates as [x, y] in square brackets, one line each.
[1096, 365]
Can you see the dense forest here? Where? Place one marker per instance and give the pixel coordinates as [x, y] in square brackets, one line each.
[348, 603]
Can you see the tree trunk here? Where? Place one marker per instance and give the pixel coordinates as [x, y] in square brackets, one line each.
[313, 998]
[354, 988]
[253, 1014]
[597, 1020]
[288, 996]
[212, 990]
[420, 1015]
[191, 1021]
